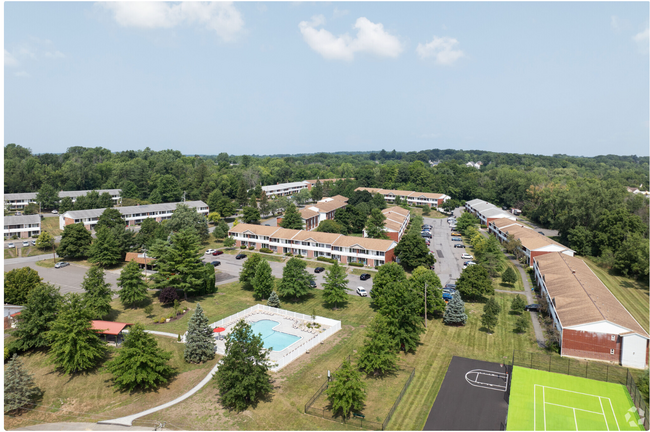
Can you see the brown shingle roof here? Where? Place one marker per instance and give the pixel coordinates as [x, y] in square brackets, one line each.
[531, 239]
[396, 209]
[262, 230]
[307, 213]
[580, 296]
[504, 222]
[365, 243]
[340, 198]
[326, 207]
[392, 225]
[371, 190]
[139, 258]
[284, 233]
[319, 237]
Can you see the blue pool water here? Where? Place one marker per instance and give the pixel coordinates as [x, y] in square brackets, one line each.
[271, 338]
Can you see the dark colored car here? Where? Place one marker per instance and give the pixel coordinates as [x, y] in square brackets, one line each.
[450, 286]
[456, 239]
[216, 263]
[539, 232]
[217, 252]
[240, 256]
[532, 307]
[364, 276]
[459, 246]
[426, 234]
[312, 284]
[319, 269]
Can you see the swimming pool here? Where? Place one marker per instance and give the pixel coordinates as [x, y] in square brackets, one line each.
[271, 338]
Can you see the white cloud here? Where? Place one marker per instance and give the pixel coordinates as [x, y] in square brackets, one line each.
[221, 17]
[371, 38]
[10, 60]
[642, 39]
[442, 49]
[54, 55]
[615, 22]
[338, 13]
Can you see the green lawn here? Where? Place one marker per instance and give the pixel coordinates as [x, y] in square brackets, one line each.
[358, 271]
[51, 225]
[517, 286]
[542, 400]
[631, 293]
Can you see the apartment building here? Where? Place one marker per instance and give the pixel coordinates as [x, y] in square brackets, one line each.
[18, 201]
[433, 200]
[397, 220]
[22, 226]
[132, 215]
[371, 252]
[285, 189]
[533, 244]
[314, 214]
[487, 212]
[592, 323]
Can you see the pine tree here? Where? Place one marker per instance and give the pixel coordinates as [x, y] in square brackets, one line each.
[19, 283]
[20, 389]
[243, 378]
[489, 320]
[98, 295]
[492, 307]
[509, 276]
[521, 325]
[134, 288]
[274, 300]
[179, 264]
[455, 311]
[199, 343]
[36, 319]
[379, 353]
[263, 282]
[105, 250]
[347, 393]
[401, 305]
[375, 225]
[518, 304]
[265, 208]
[249, 269]
[317, 191]
[292, 218]
[295, 279]
[242, 194]
[74, 345]
[335, 286]
[140, 363]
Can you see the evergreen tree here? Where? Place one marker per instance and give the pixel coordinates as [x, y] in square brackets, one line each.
[249, 269]
[347, 392]
[74, 345]
[110, 218]
[199, 342]
[105, 250]
[252, 202]
[455, 311]
[388, 273]
[209, 279]
[379, 353]
[335, 286]
[105, 201]
[242, 195]
[263, 282]
[435, 303]
[140, 363]
[274, 300]
[19, 283]
[66, 205]
[47, 197]
[489, 321]
[98, 294]
[400, 306]
[492, 307]
[509, 276]
[295, 279]
[75, 241]
[521, 325]
[317, 191]
[133, 287]
[251, 215]
[265, 208]
[125, 239]
[185, 217]
[243, 378]
[518, 304]
[20, 389]
[37, 317]
[474, 282]
[292, 218]
[179, 264]
[375, 225]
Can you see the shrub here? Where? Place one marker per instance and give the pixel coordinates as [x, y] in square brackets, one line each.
[354, 264]
[251, 248]
[171, 315]
[325, 259]
[161, 320]
[242, 247]
[299, 256]
[288, 254]
[266, 250]
[168, 295]
[148, 309]
[179, 337]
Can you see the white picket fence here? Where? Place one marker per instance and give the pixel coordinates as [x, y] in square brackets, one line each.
[333, 325]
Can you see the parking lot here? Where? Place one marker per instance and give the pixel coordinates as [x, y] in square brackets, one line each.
[449, 263]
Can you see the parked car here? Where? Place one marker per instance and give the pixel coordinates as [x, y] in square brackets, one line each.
[209, 251]
[532, 307]
[447, 294]
[61, 264]
[216, 263]
[427, 226]
[456, 239]
[217, 252]
[319, 269]
[364, 276]
[362, 292]
[312, 284]
[55, 212]
[11, 246]
[240, 256]
[466, 256]
[459, 246]
[25, 244]
[451, 286]
[469, 263]
[33, 242]
[455, 234]
[539, 232]
[267, 224]
[426, 234]
[428, 242]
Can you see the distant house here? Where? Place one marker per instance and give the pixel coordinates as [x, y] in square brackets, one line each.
[433, 200]
[18, 201]
[141, 258]
[22, 226]
[111, 331]
[11, 313]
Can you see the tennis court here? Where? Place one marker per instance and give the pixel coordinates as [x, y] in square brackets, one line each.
[545, 401]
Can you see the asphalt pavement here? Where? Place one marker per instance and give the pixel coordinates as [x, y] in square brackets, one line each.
[449, 263]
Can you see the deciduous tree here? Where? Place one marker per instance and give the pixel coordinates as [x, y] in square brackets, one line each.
[435, 303]
[474, 283]
[110, 218]
[400, 306]
[413, 251]
[249, 269]
[105, 249]
[251, 215]
[75, 241]
[388, 273]
[19, 283]
[47, 197]
[347, 392]
[185, 217]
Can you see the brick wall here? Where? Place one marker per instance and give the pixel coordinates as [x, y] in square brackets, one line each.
[591, 345]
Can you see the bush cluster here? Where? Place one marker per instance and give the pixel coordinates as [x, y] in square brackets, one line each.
[353, 264]
[251, 247]
[266, 250]
[325, 259]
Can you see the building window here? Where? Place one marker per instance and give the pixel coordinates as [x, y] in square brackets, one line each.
[613, 337]
[611, 351]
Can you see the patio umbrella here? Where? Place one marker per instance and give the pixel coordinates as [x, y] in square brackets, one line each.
[218, 330]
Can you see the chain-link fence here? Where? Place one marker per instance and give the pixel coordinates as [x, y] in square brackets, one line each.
[357, 419]
[585, 369]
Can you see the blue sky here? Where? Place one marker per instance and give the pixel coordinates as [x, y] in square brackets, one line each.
[268, 78]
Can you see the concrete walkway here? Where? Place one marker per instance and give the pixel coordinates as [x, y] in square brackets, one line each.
[73, 426]
[128, 420]
[539, 332]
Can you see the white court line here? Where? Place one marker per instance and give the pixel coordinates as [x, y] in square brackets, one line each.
[579, 409]
[544, 405]
[613, 412]
[603, 410]
[534, 407]
[574, 418]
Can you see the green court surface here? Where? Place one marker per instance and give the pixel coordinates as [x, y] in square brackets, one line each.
[548, 401]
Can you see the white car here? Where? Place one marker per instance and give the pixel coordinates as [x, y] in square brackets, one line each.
[55, 212]
[209, 251]
[11, 246]
[25, 244]
[467, 256]
[362, 292]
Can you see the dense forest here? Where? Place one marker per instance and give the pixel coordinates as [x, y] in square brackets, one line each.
[585, 198]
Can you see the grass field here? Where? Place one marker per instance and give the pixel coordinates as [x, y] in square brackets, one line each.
[542, 400]
[517, 286]
[631, 293]
[51, 225]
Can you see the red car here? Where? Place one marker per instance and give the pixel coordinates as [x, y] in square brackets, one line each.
[217, 252]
